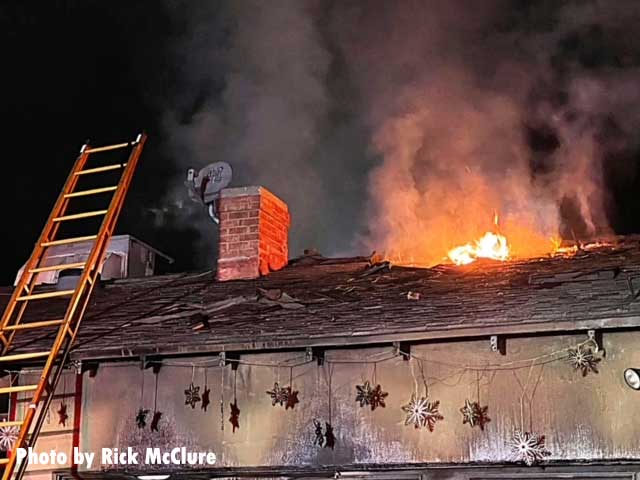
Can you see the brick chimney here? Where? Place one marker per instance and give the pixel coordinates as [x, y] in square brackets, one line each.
[254, 233]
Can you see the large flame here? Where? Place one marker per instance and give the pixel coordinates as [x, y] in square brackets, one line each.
[490, 245]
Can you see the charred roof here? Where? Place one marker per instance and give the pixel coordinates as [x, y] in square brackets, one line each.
[318, 301]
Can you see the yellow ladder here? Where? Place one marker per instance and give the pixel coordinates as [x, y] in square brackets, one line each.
[12, 323]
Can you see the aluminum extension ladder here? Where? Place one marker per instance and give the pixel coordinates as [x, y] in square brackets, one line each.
[23, 295]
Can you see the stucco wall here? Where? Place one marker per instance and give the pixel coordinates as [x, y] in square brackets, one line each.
[583, 418]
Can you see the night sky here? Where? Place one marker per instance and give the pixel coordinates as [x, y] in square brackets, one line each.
[201, 81]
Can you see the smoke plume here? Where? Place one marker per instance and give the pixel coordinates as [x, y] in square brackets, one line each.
[451, 112]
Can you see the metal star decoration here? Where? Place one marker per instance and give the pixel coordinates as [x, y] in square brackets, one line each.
[377, 397]
[8, 437]
[141, 418]
[527, 447]
[363, 393]
[279, 395]
[474, 414]
[192, 395]
[155, 421]
[422, 413]
[62, 415]
[292, 398]
[581, 358]
[205, 398]
[234, 419]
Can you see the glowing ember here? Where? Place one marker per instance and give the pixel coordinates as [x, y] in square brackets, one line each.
[490, 245]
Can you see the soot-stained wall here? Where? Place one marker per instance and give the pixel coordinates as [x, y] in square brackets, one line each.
[582, 418]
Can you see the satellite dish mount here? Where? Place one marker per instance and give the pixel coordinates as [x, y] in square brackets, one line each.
[204, 187]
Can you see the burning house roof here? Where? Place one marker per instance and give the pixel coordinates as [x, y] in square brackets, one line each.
[319, 301]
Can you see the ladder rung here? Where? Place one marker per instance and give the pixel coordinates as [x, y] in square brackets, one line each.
[4, 461]
[24, 326]
[101, 169]
[23, 356]
[11, 423]
[107, 148]
[18, 388]
[65, 241]
[38, 296]
[62, 266]
[93, 191]
[75, 216]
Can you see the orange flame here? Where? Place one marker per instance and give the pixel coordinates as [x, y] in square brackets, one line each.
[490, 245]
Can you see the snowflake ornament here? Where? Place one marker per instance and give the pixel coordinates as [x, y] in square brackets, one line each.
[279, 395]
[363, 394]
[422, 413]
[527, 447]
[581, 358]
[192, 395]
[474, 414]
[377, 397]
[8, 438]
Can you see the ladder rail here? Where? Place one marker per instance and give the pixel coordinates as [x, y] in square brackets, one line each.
[27, 280]
[75, 311]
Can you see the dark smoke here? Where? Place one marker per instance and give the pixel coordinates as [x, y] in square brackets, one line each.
[448, 110]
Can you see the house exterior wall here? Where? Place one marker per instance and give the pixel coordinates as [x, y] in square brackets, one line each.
[583, 418]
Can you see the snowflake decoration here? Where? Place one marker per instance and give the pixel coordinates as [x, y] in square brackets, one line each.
[363, 394]
[474, 414]
[279, 395]
[192, 395]
[377, 397]
[422, 413]
[581, 358]
[528, 447]
[8, 437]
[141, 417]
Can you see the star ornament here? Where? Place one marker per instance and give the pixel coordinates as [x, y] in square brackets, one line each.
[377, 397]
[420, 412]
[474, 414]
[192, 395]
[8, 437]
[234, 419]
[292, 398]
[155, 420]
[581, 358]
[527, 447]
[62, 415]
[205, 398]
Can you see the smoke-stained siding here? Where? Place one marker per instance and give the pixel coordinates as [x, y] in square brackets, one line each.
[583, 418]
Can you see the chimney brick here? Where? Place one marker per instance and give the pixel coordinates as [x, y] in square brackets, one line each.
[254, 233]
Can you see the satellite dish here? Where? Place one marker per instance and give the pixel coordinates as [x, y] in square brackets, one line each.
[204, 187]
